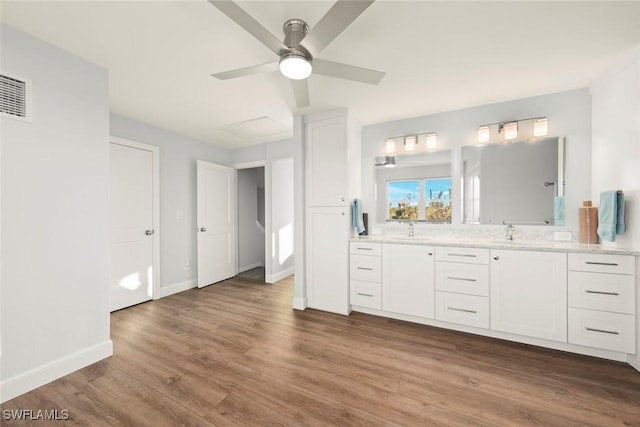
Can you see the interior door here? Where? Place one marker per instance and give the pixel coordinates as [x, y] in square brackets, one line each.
[216, 191]
[131, 217]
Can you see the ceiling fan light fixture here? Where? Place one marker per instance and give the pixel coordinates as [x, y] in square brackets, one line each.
[295, 66]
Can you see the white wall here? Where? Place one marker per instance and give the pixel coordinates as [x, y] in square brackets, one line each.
[178, 155]
[55, 234]
[569, 115]
[250, 238]
[616, 153]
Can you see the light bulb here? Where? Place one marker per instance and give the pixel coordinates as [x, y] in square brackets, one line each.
[295, 67]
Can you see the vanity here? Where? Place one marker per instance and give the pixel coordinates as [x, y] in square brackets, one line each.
[561, 295]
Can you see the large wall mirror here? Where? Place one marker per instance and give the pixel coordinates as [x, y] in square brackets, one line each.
[414, 187]
[512, 183]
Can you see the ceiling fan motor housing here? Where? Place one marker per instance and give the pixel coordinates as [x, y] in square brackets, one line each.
[294, 31]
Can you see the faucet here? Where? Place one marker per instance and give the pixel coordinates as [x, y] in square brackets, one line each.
[410, 228]
[509, 232]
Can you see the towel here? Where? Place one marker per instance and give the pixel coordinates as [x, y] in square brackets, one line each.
[611, 215]
[558, 210]
[356, 216]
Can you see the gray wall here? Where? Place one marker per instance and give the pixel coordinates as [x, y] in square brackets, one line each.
[250, 236]
[55, 230]
[569, 115]
[178, 155]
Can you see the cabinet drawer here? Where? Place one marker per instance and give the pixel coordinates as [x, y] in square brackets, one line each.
[610, 331]
[619, 264]
[365, 248]
[465, 255]
[602, 291]
[463, 309]
[472, 279]
[366, 268]
[366, 294]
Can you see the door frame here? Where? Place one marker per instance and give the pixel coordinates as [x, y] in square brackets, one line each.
[267, 213]
[155, 195]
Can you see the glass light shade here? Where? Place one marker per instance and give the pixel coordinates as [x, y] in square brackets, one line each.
[295, 67]
[432, 140]
[510, 130]
[410, 143]
[483, 134]
[540, 127]
[390, 145]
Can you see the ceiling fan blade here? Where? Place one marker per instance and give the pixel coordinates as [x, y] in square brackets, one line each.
[301, 92]
[246, 21]
[348, 72]
[247, 71]
[339, 17]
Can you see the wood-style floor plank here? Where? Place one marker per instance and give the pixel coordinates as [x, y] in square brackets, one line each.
[236, 354]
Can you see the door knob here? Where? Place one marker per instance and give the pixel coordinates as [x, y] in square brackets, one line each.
[496, 257]
[149, 232]
[202, 230]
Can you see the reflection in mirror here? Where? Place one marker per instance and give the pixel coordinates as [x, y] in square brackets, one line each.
[418, 188]
[512, 183]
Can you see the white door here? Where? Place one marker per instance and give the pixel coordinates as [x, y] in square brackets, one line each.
[131, 201]
[216, 190]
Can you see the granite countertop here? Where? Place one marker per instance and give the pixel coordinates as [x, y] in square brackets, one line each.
[470, 242]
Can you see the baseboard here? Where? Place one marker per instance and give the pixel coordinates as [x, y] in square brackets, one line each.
[634, 364]
[250, 267]
[34, 378]
[165, 291]
[273, 278]
[299, 303]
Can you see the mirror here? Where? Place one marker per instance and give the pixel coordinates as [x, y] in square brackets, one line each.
[417, 187]
[512, 183]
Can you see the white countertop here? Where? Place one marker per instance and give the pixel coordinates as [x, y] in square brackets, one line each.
[469, 242]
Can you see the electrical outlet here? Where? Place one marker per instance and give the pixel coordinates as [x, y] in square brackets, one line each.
[187, 264]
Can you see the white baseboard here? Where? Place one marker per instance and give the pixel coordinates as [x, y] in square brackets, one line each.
[299, 303]
[250, 266]
[34, 378]
[273, 278]
[633, 364]
[165, 291]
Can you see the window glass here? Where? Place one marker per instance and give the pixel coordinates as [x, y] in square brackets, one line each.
[403, 198]
[437, 195]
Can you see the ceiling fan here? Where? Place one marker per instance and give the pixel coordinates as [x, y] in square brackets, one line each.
[298, 51]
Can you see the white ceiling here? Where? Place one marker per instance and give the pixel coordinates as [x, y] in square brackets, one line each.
[438, 56]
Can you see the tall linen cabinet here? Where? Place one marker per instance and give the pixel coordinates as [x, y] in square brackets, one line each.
[332, 181]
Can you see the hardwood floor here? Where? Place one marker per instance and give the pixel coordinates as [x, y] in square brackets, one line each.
[235, 353]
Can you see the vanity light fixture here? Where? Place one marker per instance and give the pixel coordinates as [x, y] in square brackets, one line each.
[390, 145]
[483, 134]
[432, 140]
[510, 130]
[540, 126]
[410, 142]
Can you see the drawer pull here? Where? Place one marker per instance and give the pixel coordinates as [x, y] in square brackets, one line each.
[464, 255]
[602, 293]
[610, 264]
[464, 310]
[604, 331]
[466, 279]
[365, 268]
[364, 249]
[365, 295]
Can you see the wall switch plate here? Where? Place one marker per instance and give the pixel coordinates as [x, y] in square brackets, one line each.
[562, 235]
[179, 214]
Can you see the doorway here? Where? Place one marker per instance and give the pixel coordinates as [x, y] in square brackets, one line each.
[251, 223]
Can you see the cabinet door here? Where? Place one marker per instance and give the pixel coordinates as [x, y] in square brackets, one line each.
[529, 293]
[326, 163]
[328, 259]
[408, 279]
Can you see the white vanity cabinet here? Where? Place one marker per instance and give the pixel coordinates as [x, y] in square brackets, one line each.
[462, 286]
[408, 279]
[332, 180]
[365, 284]
[602, 301]
[529, 293]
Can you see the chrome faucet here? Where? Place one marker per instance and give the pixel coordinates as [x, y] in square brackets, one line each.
[509, 232]
[410, 228]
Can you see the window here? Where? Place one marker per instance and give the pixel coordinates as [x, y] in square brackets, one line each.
[426, 200]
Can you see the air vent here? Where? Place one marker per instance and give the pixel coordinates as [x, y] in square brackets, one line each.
[15, 97]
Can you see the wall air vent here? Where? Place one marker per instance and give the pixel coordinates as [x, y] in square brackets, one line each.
[15, 97]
